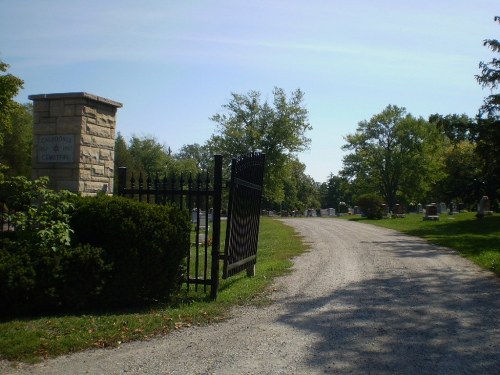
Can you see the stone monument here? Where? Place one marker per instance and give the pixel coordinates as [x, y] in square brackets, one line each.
[74, 141]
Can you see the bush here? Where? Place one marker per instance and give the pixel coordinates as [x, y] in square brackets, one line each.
[37, 280]
[144, 244]
[69, 253]
[371, 205]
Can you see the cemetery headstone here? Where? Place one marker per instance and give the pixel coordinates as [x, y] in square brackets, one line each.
[484, 207]
[431, 212]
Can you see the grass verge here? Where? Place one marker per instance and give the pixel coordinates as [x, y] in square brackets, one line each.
[475, 239]
[30, 340]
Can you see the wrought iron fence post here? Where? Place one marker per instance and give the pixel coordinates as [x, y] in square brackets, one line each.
[122, 180]
[216, 226]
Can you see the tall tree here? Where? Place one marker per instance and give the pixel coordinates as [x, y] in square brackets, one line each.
[487, 131]
[277, 129]
[392, 152]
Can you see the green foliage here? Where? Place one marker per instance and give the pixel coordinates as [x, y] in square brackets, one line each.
[15, 154]
[334, 191]
[9, 115]
[300, 191]
[69, 252]
[277, 129]
[394, 154]
[145, 244]
[145, 156]
[9, 87]
[371, 205]
[41, 216]
[38, 280]
[490, 78]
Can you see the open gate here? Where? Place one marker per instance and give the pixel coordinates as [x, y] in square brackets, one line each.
[202, 197]
[243, 218]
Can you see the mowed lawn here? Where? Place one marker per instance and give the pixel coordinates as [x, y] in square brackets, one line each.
[475, 239]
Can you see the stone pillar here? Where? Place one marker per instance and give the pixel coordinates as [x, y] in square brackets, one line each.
[74, 141]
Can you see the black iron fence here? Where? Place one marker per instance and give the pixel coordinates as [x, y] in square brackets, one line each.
[201, 196]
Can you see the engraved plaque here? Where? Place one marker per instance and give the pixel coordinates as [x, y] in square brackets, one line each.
[56, 148]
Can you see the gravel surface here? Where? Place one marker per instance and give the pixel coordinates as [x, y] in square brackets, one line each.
[363, 300]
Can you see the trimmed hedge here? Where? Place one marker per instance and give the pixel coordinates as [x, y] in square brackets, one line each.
[123, 254]
[144, 245]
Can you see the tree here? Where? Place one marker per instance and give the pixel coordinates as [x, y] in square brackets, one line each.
[15, 154]
[9, 88]
[334, 191]
[457, 128]
[487, 130]
[277, 129]
[490, 78]
[300, 189]
[394, 153]
[200, 155]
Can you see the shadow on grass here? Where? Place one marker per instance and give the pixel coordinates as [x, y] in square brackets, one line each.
[434, 322]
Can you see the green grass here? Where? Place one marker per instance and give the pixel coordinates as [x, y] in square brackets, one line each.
[475, 239]
[30, 340]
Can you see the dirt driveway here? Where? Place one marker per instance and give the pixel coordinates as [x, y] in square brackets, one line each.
[364, 300]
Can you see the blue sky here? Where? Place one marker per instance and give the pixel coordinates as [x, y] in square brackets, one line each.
[173, 64]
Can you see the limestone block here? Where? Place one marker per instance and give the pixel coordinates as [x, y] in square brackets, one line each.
[39, 115]
[104, 120]
[90, 112]
[69, 110]
[89, 155]
[86, 140]
[98, 131]
[57, 108]
[41, 105]
[95, 187]
[105, 155]
[41, 128]
[69, 125]
[106, 143]
[85, 175]
[98, 170]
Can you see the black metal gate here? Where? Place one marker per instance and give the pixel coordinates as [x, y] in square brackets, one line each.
[202, 196]
[242, 232]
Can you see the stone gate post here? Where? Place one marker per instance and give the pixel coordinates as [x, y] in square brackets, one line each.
[74, 141]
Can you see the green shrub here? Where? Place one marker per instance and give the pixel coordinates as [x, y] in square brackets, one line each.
[41, 215]
[144, 244]
[371, 205]
[35, 280]
[68, 252]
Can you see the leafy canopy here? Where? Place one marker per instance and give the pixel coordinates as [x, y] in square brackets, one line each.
[278, 129]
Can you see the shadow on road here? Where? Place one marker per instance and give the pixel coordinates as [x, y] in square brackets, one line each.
[436, 321]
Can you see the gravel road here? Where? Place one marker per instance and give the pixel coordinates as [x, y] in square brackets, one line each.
[363, 300]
